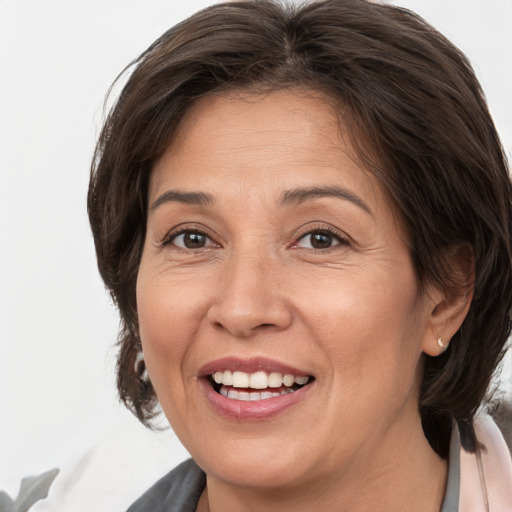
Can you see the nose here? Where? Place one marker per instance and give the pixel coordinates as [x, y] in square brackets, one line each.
[250, 298]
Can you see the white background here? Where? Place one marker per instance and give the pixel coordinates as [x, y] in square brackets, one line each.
[58, 406]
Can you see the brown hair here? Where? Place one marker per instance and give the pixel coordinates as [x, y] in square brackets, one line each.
[421, 125]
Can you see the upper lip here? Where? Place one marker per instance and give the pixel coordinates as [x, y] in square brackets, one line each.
[250, 365]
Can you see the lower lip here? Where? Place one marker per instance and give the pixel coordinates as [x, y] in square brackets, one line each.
[253, 410]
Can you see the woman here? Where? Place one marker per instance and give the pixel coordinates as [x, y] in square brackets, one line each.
[303, 215]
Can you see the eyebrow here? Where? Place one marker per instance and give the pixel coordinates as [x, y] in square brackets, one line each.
[194, 198]
[300, 195]
[293, 196]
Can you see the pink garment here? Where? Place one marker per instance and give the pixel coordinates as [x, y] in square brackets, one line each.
[486, 476]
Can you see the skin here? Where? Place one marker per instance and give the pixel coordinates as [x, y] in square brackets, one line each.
[351, 312]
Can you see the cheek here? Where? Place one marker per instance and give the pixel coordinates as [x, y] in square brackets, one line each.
[367, 327]
[168, 318]
[166, 328]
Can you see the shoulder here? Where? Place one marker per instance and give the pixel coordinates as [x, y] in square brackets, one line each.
[486, 475]
[178, 491]
[502, 415]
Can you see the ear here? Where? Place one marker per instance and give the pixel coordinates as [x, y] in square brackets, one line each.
[449, 307]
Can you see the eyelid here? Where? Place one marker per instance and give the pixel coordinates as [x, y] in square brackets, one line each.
[341, 237]
[299, 234]
[183, 228]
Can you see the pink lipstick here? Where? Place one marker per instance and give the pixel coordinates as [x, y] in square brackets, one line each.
[253, 389]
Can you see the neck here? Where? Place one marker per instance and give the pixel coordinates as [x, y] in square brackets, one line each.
[412, 478]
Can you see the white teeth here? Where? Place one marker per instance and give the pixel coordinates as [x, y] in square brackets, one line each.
[288, 380]
[244, 396]
[227, 378]
[275, 380]
[258, 380]
[240, 380]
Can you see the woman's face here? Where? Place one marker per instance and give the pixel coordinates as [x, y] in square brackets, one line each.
[272, 258]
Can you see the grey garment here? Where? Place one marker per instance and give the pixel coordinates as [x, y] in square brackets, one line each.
[180, 490]
[451, 495]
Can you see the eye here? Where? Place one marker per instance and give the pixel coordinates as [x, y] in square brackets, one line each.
[320, 239]
[190, 239]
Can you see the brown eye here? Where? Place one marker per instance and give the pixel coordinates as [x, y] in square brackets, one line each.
[320, 239]
[191, 240]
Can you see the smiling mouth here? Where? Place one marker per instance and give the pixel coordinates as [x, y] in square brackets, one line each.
[256, 386]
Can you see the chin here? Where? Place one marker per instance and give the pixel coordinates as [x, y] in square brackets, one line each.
[254, 462]
[272, 472]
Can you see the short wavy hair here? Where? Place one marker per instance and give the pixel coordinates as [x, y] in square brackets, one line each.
[418, 121]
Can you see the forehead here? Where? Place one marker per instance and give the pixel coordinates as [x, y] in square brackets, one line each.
[274, 141]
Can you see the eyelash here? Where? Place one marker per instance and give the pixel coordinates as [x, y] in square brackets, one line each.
[342, 240]
[172, 236]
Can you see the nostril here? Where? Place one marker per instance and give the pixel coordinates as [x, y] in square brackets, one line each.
[244, 331]
[245, 318]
